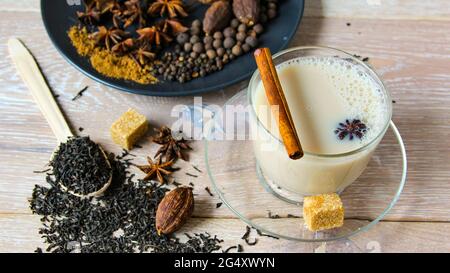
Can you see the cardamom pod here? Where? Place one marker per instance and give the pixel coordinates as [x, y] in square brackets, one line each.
[217, 16]
[247, 11]
[174, 210]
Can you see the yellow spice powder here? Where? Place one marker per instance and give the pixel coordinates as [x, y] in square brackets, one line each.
[107, 63]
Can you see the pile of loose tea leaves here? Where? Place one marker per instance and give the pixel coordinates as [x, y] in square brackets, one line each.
[81, 166]
[122, 220]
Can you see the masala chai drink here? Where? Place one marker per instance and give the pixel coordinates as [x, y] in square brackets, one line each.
[340, 110]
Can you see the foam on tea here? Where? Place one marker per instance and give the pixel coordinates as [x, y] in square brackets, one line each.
[322, 93]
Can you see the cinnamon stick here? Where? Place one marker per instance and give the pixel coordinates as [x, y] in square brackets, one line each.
[275, 96]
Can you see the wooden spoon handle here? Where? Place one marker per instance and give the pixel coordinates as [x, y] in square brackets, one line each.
[32, 76]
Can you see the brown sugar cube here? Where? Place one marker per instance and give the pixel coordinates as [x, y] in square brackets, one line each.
[126, 130]
[323, 211]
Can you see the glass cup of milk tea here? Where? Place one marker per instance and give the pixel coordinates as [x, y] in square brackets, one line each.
[341, 111]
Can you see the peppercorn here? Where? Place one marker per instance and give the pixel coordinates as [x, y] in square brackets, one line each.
[251, 41]
[237, 50]
[196, 23]
[211, 53]
[208, 46]
[220, 52]
[194, 39]
[194, 54]
[198, 47]
[234, 23]
[208, 40]
[242, 28]
[217, 43]
[195, 31]
[271, 13]
[218, 35]
[182, 38]
[229, 43]
[246, 48]
[252, 33]
[272, 5]
[187, 47]
[229, 32]
[241, 36]
[258, 28]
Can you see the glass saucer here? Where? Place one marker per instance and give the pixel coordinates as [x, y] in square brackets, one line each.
[237, 180]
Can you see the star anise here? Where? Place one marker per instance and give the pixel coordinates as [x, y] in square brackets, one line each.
[156, 170]
[105, 5]
[132, 13]
[108, 37]
[171, 147]
[172, 26]
[142, 54]
[90, 16]
[351, 128]
[172, 8]
[153, 35]
[123, 47]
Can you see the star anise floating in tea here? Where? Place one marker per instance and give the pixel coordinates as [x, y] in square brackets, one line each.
[171, 147]
[351, 129]
[156, 169]
[172, 8]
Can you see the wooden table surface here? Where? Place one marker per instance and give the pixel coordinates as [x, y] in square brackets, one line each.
[408, 42]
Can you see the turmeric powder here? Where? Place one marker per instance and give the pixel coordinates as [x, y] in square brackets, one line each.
[107, 63]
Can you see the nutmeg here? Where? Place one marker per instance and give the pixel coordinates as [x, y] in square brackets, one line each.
[247, 11]
[174, 210]
[217, 16]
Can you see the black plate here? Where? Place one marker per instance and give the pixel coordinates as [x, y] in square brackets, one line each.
[59, 16]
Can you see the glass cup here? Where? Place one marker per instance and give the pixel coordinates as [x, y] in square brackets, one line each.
[313, 174]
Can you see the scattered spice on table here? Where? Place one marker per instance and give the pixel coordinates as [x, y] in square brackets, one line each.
[292, 216]
[156, 169]
[247, 233]
[348, 24]
[171, 146]
[393, 101]
[218, 205]
[265, 235]
[209, 191]
[122, 220]
[191, 175]
[365, 59]
[250, 243]
[272, 216]
[240, 248]
[196, 168]
[43, 171]
[81, 129]
[80, 93]
[191, 184]
[230, 248]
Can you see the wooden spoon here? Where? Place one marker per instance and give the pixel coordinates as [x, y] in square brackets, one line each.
[32, 76]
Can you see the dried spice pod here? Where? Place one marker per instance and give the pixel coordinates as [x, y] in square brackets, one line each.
[217, 16]
[174, 210]
[247, 11]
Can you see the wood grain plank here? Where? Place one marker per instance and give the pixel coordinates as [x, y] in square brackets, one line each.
[415, 72]
[19, 234]
[382, 9]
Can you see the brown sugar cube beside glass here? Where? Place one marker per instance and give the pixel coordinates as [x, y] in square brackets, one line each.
[323, 211]
[126, 130]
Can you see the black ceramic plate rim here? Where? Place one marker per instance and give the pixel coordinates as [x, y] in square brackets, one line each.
[167, 93]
